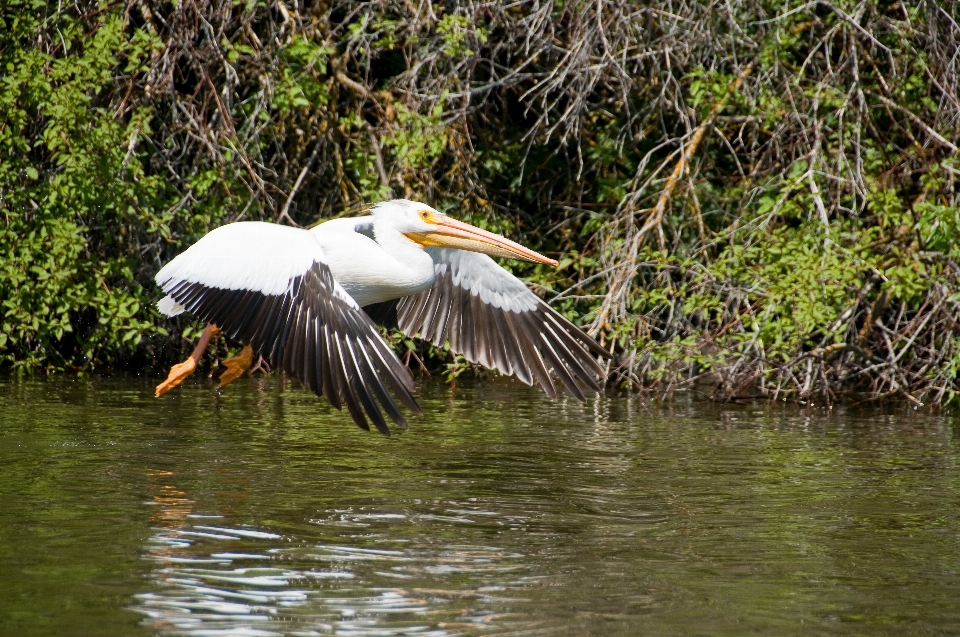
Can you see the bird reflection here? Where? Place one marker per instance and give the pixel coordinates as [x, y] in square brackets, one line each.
[216, 578]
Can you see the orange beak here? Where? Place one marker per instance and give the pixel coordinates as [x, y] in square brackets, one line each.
[451, 233]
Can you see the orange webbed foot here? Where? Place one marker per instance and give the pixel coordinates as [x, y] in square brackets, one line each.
[178, 373]
[236, 366]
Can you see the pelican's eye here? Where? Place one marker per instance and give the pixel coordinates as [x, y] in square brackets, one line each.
[424, 214]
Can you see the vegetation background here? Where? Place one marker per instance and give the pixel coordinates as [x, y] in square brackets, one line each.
[761, 193]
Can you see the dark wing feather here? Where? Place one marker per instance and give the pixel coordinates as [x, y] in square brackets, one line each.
[383, 314]
[491, 318]
[314, 334]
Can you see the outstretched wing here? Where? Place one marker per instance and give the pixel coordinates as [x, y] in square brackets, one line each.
[267, 285]
[492, 318]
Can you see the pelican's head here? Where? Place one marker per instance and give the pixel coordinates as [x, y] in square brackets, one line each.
[429, 228]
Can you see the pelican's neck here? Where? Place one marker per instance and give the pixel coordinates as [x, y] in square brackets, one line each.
[370, 272]
[416, 264]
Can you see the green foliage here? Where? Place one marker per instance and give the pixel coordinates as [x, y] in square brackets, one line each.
[301, 80]
[81, 200]
[72, 185]
[419, 139]
[453, 30]
[808, 246]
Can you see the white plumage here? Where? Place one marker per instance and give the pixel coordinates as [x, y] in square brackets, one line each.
[295, 296]
[480, 275]
[248, 255]
[169, 307]
[368, 272]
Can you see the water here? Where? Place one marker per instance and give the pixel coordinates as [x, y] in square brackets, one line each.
[264, 512]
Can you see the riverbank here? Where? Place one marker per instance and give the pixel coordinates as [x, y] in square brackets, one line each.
[766, 196]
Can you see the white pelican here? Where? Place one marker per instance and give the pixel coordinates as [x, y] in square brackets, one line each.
[295, 296]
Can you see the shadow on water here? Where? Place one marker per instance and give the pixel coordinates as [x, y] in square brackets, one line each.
[264, 512]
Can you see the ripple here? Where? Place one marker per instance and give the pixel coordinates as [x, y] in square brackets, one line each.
[498, 513]
[316, 588]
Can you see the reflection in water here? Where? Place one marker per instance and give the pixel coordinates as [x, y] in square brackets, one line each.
[218, 580]
[213, 579]
[263, 512]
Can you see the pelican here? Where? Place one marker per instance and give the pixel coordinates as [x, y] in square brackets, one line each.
[309, 302]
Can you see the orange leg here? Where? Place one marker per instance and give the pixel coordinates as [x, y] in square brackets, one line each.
[236, 366]
[179, 372]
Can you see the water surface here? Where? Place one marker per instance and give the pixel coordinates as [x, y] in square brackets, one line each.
[262, 511]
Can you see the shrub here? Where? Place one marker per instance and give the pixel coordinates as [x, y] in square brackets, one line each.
[757, 192]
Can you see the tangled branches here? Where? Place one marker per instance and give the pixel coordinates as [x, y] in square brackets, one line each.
[813, 261]
[758, 193]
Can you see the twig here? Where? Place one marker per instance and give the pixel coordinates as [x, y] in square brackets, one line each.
[656, 217]
[916, 120]
[285, 213]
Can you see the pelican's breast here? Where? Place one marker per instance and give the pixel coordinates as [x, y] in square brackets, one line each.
[365, 270]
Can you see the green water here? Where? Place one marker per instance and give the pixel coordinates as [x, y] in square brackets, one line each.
[264, 512]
